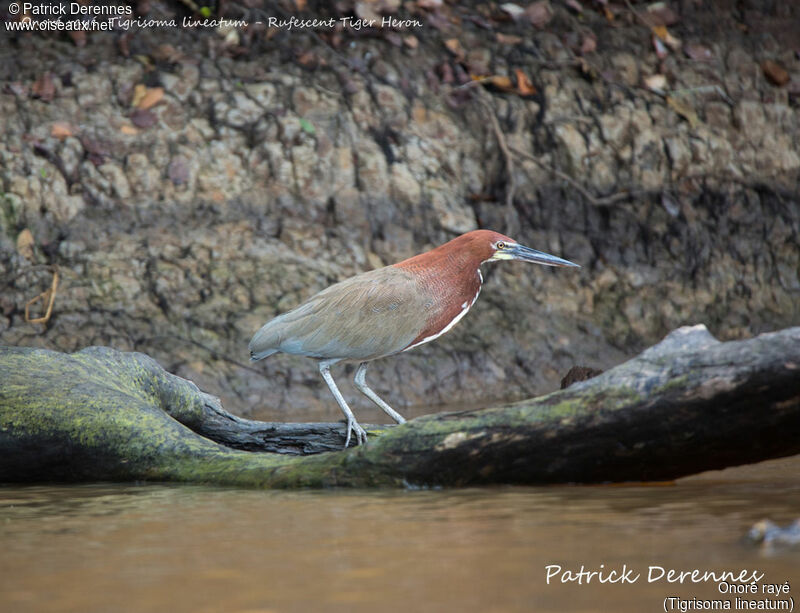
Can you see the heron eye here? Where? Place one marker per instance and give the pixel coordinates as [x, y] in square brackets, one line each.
[501, 245]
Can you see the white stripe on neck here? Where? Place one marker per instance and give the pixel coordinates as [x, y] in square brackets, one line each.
[464, 309]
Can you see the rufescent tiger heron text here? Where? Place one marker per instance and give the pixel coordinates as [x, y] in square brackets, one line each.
[389, 310]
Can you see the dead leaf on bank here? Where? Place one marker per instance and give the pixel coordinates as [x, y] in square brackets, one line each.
[776, 73]
[454, 46]
[524, 85]
[147, 97]
[442, 20]
[589, 44]
[25, 244]
[698, 52]
[48, 296]
[501, 82]
[575, 6]
[660, 14]
[684, 110]
[230, 36]
[508, 39]
[44, 88]
[365, 11]
[539, 13]
[411, 41]
[673, 43]
[142, 118]
[660, 47]
[61, 130]
[656, 83]
[505, 84]
[515, 11]
[661, 33]
[373, 9]
[138, 93]
[128, 130]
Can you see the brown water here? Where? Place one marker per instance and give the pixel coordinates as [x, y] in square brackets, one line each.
[141, 548]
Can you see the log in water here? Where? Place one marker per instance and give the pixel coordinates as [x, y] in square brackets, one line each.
[688, 404]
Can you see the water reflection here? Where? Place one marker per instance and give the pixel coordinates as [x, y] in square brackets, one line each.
[189, 548]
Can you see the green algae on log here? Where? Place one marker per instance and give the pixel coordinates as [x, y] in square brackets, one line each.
[687, 404]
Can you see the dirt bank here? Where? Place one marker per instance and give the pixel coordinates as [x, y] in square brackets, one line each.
[278, 162]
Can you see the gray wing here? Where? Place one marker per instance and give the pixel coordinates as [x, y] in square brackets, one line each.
[368, 316]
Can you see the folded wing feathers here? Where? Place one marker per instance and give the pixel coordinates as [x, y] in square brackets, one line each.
[365, 317]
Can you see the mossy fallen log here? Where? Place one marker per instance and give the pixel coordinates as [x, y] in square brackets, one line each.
[685, 405]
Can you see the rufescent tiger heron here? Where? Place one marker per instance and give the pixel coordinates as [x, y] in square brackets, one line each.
[389, 310]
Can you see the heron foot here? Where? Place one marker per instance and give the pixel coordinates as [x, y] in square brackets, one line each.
[361, 434]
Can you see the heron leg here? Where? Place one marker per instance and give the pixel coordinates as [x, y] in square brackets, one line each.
[352, 424]
[361, 383]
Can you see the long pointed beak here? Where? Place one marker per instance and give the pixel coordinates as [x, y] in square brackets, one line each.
[526, 254]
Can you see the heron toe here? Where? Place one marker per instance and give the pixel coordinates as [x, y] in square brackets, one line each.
[361, 434]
